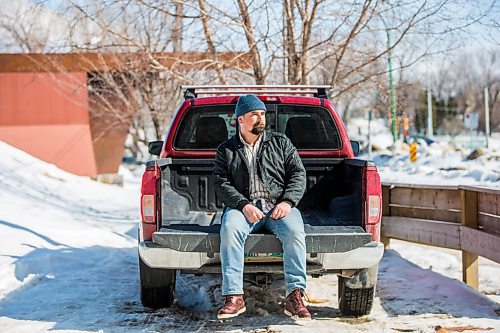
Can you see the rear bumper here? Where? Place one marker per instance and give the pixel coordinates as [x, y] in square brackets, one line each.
[365, 256]
[157, 256]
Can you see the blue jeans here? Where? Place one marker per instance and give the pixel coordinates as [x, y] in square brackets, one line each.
[234, 231]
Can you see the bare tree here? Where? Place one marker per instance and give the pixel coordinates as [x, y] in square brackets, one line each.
[177, 28]
[297, 56]
[465, 81]
[150, 29]
[207, 30]
[345, 44]
[246, 23]
[23, 30]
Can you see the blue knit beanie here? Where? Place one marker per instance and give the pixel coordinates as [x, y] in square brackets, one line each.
[247, 103]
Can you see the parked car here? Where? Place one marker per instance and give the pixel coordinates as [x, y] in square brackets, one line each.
[420, 139]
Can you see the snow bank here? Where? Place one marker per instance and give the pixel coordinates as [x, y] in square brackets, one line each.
[440, 163]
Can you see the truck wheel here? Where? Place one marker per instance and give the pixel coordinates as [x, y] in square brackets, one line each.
[157, 286]
[356, 293]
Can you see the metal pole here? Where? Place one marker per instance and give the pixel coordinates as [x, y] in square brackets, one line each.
[486, 115]
[391, 87]
[370, 135]
[391, 83]
[430, 129]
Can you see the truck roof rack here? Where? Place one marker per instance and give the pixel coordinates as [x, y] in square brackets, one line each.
[221, 90]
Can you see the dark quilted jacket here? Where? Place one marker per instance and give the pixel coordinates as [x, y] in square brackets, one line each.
[279, 168]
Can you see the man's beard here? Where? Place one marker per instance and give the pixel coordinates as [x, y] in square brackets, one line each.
[258, 129]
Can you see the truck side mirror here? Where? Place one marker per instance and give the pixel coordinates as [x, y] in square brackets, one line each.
[154, 147]
[355, 147]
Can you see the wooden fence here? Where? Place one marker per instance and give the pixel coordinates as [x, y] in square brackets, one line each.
[463, 218]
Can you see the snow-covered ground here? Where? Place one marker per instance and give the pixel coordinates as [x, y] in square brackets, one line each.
[68, 262]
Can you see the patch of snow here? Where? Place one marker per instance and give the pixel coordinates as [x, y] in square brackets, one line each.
[440, 163]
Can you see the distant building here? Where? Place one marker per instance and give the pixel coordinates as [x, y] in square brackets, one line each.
[45, 108]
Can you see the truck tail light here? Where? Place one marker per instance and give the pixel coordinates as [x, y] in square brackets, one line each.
[373, 209]
[372, 193]
[148, 208]
[149, 202]
[148, 194]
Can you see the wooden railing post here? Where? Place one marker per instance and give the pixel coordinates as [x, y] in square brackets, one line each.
[469, 219]
[386, 210]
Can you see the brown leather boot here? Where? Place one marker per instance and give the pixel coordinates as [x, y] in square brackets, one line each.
[295, 307]
[233, 306]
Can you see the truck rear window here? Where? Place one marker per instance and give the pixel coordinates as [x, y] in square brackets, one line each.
[308, 127]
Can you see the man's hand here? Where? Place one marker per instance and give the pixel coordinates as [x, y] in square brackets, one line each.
[281, 210]
[252, 213]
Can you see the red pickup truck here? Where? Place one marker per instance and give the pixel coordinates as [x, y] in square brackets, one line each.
[181, 213]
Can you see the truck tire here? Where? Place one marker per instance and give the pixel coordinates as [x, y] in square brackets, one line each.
[357, 292]
[355, 302]
[157, 286]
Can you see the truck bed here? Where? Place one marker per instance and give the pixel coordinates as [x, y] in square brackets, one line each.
[331, 209]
